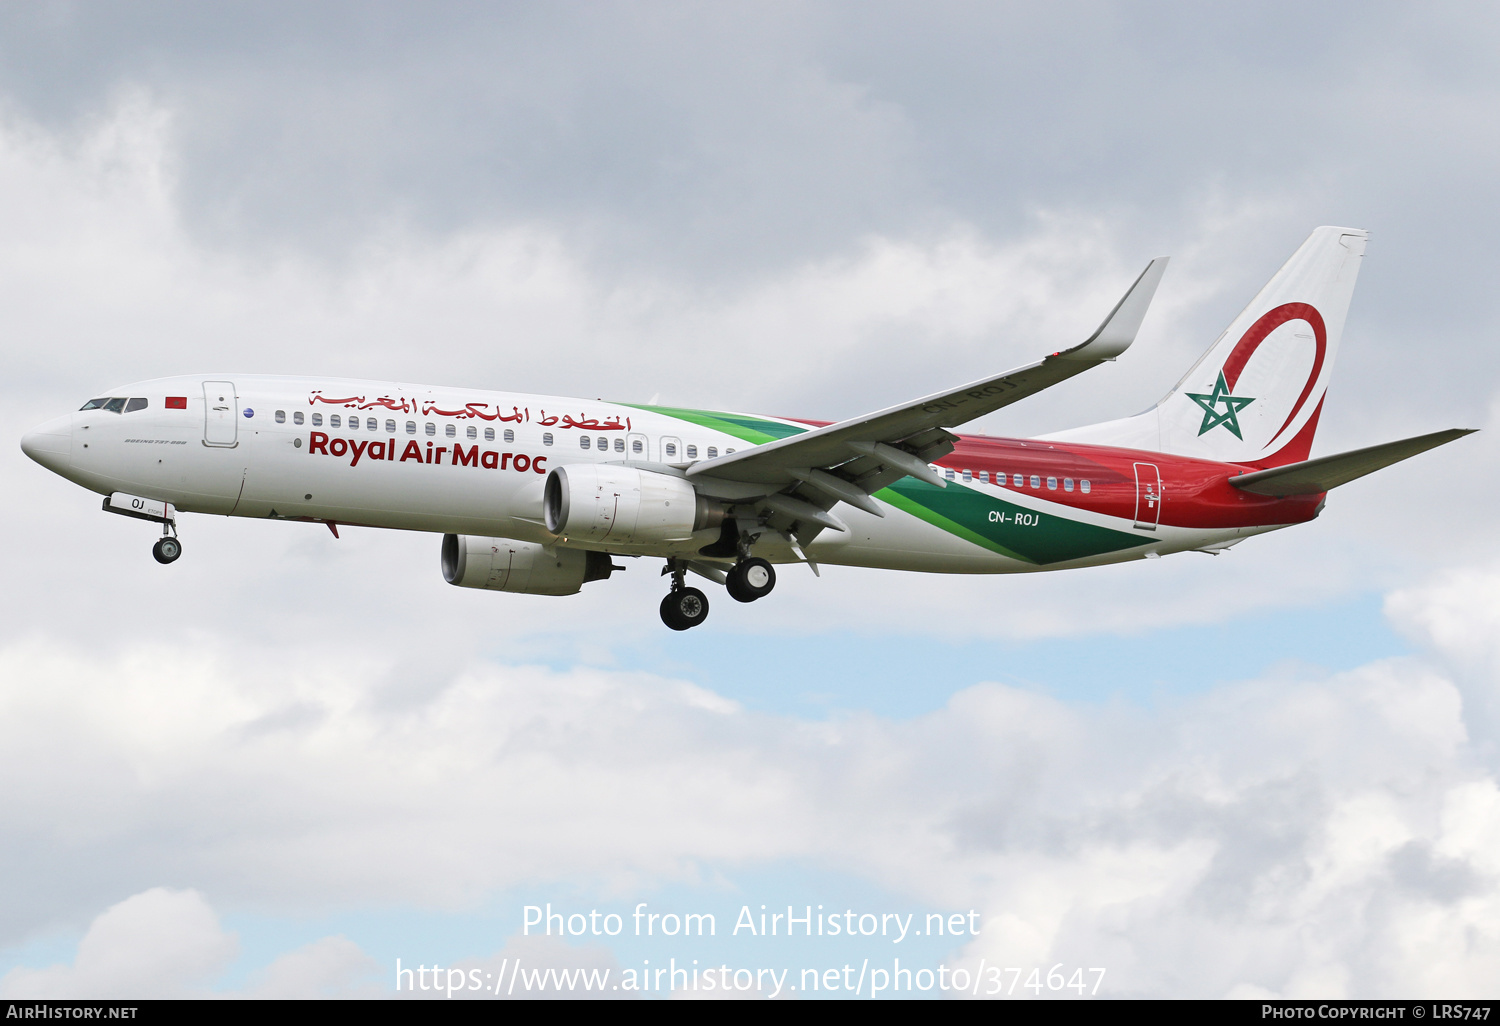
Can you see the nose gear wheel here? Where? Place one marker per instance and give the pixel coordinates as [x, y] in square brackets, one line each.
[166, 549]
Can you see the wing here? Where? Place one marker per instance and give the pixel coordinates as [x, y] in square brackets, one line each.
[848, 461]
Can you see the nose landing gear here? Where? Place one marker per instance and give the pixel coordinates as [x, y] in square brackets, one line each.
[166, 549]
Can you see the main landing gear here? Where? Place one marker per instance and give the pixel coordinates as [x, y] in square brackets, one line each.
[751, 578]
[683, 607]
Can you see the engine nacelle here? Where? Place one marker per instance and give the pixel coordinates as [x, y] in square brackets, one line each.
[502, 564]
[592, 503]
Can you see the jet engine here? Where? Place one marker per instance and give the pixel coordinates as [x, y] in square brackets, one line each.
[592, 503]
[501, 564]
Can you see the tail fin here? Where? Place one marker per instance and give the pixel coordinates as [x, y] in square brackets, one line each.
[1256, 395]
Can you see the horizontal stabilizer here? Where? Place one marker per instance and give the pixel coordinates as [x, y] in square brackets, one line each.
[1327, 472]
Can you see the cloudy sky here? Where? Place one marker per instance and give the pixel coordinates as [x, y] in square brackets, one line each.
[286, 761]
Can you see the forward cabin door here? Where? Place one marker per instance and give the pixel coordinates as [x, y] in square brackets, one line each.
[1147, 496]
[220, 426]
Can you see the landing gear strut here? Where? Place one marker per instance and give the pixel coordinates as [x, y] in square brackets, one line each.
[683, 607]
[750, 579]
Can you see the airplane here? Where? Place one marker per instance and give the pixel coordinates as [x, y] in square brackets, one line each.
[538, 494]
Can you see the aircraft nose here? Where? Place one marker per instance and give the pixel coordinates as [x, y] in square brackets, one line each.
[51, 444]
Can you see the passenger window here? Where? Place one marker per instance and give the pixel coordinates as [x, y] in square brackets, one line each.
[353, 423]
[411, 427]
[1036, 482]
[1083, 486]
[297, 417]
[281, 416]
[510, 436]
[546, 437]
[635, 446]
[671, 448]
[692, 452]
[583, 441]
[334, 421]
[1018, 480]
[317, 420]
[473, 432]
[390, 426]
[602, 443]
[949, 475]
[984, 477]
[489, 434]
[728, 452]
[450, 430]
[431, 429]
[619, 445]
[135, 404]
[713, 452]
[968, 476]
[372, 424]
[1067, 484]
[1052, 484]
[114, 406]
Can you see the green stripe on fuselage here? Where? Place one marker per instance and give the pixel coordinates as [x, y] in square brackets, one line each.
[750, 429]
[1034, 538]
[1004, 527]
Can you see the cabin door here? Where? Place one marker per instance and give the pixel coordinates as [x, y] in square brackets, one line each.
[1147, 496]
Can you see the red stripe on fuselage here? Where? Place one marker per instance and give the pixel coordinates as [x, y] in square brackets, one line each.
[1195, 493]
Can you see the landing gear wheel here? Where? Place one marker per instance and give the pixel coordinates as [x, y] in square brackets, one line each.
[166, 550]
[750, 579]
[684, 608]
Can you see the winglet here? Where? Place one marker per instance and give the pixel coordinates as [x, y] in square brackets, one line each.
[1118, 330]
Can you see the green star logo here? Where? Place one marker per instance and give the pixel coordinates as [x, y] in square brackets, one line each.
[1212, 418]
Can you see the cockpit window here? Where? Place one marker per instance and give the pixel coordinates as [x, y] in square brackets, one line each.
[93, 404]
[115, 405]
[135, 404]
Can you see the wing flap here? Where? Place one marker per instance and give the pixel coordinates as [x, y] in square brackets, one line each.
[1326, 472]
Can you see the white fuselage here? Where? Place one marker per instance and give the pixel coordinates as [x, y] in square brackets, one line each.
[468, 462]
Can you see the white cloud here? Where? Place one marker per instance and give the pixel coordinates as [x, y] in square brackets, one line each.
[334, 967]
[1454, 615]
[1294, 835]
[165, 943]
[159, 943]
